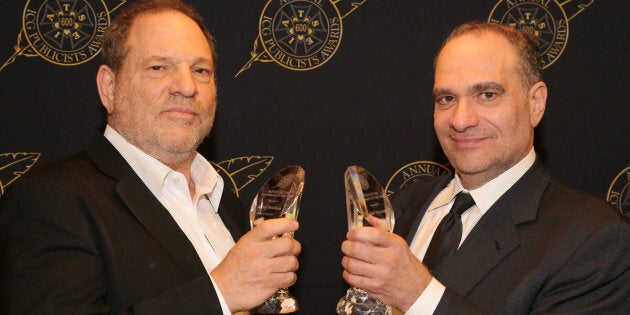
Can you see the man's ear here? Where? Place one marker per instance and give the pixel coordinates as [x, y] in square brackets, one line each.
[537, 98]
[106, 84]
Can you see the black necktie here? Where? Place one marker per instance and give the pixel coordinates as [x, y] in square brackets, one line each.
[448, 234]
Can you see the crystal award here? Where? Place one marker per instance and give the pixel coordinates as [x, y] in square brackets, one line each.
[279, 197]
[367, 204]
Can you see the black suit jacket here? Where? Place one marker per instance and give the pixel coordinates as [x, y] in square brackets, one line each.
[86, 236]
[541, 248]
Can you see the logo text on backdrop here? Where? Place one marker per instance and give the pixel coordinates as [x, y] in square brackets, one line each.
[412, 172]
[299, 35]
[547, 20]
[62, 32]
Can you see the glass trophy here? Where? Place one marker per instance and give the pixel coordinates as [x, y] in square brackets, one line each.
[367, 205]
[279, 197]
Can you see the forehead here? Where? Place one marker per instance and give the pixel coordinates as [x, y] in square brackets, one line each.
[483, 56]
[167, 31]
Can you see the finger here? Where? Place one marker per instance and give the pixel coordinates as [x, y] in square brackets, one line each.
[286, 246]
[296, 248]
[361, 251]
[372, 235]
[359, 267]
[357, 280]
[271, 228]
[282, 246]
[284, 264]
[279, 279]
[285, 280]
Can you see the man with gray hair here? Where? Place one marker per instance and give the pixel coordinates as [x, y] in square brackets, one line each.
[501, 236]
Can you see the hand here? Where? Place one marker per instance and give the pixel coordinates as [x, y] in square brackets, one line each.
[258, 265]
[381, 263]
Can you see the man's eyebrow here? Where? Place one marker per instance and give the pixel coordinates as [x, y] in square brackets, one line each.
[155, 58]
[172, 59]
[203, 60]
[440, 91]
[484, 86]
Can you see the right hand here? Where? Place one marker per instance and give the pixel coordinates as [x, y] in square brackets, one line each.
[382, 264]
[258, 265]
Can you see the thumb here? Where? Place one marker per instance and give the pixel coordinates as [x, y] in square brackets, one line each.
[271, 228]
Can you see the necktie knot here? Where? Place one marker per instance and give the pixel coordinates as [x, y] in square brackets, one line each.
[463, 202]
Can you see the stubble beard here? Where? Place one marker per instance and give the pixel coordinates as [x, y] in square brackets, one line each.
[170, 147]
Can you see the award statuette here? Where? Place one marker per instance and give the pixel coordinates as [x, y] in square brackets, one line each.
[368, 205]
[279, 197]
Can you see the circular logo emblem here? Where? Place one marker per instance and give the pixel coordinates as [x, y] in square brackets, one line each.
[65, 32]
[546, 20]
[411, 172]
[300, 34]
[619, 192]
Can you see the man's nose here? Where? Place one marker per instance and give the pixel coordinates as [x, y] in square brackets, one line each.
[464, 115]
[184, 83]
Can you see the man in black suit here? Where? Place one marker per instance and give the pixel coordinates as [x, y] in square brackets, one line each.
[141, 223]
[526, 243]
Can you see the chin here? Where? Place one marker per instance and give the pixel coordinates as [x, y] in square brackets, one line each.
[180, 146]
[178, 142]
[470, 165]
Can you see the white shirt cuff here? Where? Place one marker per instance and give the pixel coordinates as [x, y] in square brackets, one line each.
[428, 301]
[224, 307]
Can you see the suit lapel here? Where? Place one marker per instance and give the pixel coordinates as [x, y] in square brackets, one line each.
[146, 208]
[159, 222]
[495, 235]
[232, 214]
[407, 223]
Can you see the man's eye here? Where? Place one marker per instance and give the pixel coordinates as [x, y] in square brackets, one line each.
[203, 74]
[445, 99]
[488, 95]
[156, 68]
[203, 71]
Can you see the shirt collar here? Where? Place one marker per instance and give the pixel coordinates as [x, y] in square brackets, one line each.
[446, 195]
[207, 181]
[153, 172]
[486, 195]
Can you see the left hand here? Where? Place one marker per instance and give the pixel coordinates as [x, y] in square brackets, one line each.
[259, 264]
[381, 263]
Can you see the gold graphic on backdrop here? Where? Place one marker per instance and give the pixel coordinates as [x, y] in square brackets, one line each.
[548, 20]
[62, 32]
[300, 35]
[413, 171]
[14, 165]
[619, 192]
[241, 171]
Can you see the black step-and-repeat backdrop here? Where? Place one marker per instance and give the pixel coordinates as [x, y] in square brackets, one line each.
[350, 86]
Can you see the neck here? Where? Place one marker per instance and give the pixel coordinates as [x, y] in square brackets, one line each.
[191, 188]
[471, 182]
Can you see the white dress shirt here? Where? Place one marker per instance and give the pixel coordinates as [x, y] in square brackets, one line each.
[197, 217]
[484, 196]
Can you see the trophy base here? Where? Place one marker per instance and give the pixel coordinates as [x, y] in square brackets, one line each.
[280, 302]
[358, 302]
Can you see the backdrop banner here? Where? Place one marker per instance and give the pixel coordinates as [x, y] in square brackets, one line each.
[325, 84]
